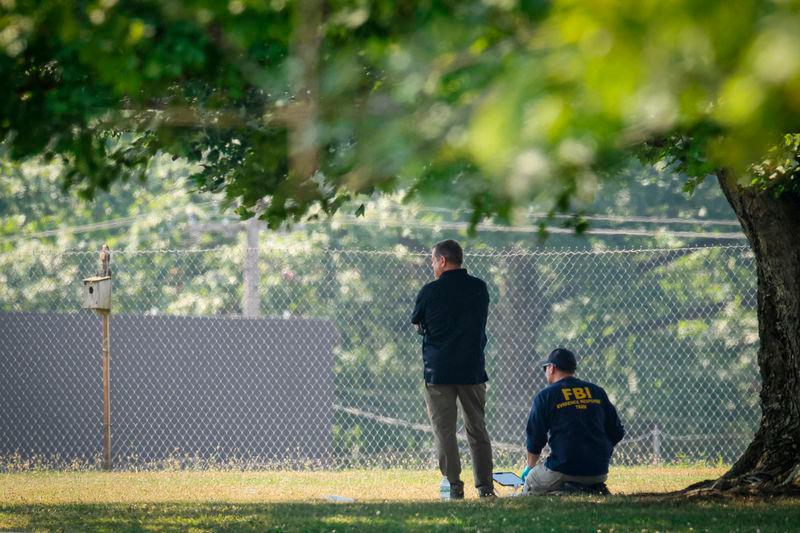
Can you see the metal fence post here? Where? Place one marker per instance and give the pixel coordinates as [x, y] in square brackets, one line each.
[656, 445]
[251, 299]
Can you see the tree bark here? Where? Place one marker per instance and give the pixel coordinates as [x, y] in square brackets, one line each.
[305, 43]
[517, 320]
[771, 223]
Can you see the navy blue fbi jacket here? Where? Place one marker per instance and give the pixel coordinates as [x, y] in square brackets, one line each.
[452, 312]
[582, 423]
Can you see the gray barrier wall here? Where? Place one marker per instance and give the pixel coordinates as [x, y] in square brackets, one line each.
[209, 387]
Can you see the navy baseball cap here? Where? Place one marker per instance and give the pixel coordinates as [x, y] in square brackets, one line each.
[563, 359]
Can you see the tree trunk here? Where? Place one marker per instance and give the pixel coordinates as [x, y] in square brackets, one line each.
[519, 316]
[304, 46]
[772, 224]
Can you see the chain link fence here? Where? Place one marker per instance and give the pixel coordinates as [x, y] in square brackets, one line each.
[292, 356]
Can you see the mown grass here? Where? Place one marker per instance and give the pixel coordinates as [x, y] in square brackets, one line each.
[89, 487]
[387, 500]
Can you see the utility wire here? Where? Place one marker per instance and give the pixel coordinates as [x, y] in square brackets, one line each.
[97, 226]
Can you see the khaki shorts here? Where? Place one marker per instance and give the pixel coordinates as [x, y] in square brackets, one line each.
[541, 480]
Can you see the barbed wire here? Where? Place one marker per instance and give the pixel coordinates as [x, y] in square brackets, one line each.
[490, 227]
[344, 219]
[402, 251]
[611, 218]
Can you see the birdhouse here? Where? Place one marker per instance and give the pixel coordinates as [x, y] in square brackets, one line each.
[97, 293]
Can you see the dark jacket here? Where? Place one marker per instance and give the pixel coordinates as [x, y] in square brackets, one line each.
[452, 312]
[582, 424]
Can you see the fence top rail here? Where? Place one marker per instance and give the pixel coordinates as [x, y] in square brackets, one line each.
[401, 251]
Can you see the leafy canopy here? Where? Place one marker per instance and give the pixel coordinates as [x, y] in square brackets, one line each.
[495, 103]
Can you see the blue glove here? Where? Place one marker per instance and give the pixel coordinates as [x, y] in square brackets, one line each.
[525, 473]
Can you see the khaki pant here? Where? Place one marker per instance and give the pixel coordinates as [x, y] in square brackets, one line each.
[441, 401]
[541, 480]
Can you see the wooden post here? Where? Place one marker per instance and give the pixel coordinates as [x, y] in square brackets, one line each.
[106, 314]
[97, 296]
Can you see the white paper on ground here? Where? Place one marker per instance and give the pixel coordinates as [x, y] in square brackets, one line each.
[339, 499]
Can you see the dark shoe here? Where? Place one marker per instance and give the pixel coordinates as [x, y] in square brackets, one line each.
[456, 492]
[570, 487]
[601, 488]
[484, 493]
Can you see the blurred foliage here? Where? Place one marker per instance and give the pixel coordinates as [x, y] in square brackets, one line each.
[489, 106]
[492, 104]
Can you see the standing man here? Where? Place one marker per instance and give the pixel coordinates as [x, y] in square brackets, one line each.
[450, 313]
[578, 421]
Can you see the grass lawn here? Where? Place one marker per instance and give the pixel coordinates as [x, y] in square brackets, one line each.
[387, 500]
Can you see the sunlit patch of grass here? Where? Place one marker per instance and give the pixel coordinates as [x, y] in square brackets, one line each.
[632, 480]
[55, 487]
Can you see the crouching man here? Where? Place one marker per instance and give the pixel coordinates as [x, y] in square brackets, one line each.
[582, 425]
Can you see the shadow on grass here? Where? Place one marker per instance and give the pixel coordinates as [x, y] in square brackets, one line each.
[519, 514]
